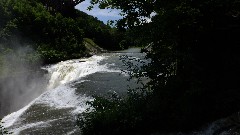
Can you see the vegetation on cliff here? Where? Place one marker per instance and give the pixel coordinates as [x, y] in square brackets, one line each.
[53, 35]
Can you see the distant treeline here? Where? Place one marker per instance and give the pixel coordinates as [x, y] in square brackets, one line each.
[54, 36]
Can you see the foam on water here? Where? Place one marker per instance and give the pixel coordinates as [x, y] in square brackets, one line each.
[61, 97]
[64, 97]
[37, 124]
[59, 93]
[70, 70]
[10, 119]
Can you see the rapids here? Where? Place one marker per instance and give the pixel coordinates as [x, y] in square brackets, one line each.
[70, 85]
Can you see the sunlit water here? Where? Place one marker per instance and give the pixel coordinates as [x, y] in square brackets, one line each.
[70, 85]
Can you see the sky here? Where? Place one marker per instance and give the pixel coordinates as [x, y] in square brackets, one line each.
[102, 14]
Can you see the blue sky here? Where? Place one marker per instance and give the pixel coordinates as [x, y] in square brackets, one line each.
[102, 14]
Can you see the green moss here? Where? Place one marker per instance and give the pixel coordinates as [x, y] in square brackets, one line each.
[91, 47]
[90, 42]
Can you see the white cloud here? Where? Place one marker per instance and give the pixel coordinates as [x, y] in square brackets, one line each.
[102, 14]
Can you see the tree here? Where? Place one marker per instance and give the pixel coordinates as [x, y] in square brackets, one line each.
[66, 7]
[194, 61]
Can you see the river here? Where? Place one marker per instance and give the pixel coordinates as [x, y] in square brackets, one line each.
[51, 102]
[70, 85]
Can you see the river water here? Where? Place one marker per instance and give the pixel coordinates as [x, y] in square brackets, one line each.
[70, 85]
[61, 94]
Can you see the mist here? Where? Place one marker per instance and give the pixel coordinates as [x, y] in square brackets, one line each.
[21, 80]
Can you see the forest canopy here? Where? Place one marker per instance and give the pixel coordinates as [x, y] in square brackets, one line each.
[51, 32]
[194, 53]
[194, 62]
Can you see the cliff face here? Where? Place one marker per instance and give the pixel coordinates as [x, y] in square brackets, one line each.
[91, 47]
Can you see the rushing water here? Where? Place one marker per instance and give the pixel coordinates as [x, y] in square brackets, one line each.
[70, 85]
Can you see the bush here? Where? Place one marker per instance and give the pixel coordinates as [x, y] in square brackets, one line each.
[194, 63]
[113, 115]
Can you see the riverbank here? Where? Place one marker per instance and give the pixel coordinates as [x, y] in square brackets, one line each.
[71, 84]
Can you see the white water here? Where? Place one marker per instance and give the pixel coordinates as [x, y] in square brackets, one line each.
[59, 92]
[71, 70]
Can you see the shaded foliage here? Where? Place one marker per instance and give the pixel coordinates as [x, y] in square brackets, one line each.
[54, 36]
[103, 35]
[194, 63]
[30, 23]
[113, 115]
[65, 7]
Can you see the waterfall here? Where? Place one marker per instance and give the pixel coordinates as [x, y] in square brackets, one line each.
[71, 70]
[59, 93]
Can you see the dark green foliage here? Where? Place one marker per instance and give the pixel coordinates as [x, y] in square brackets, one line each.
[54, 36]
[103, 35]
[198, 45]
[65, 7]
[30, 23]
[194, 64]
[113, 115]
